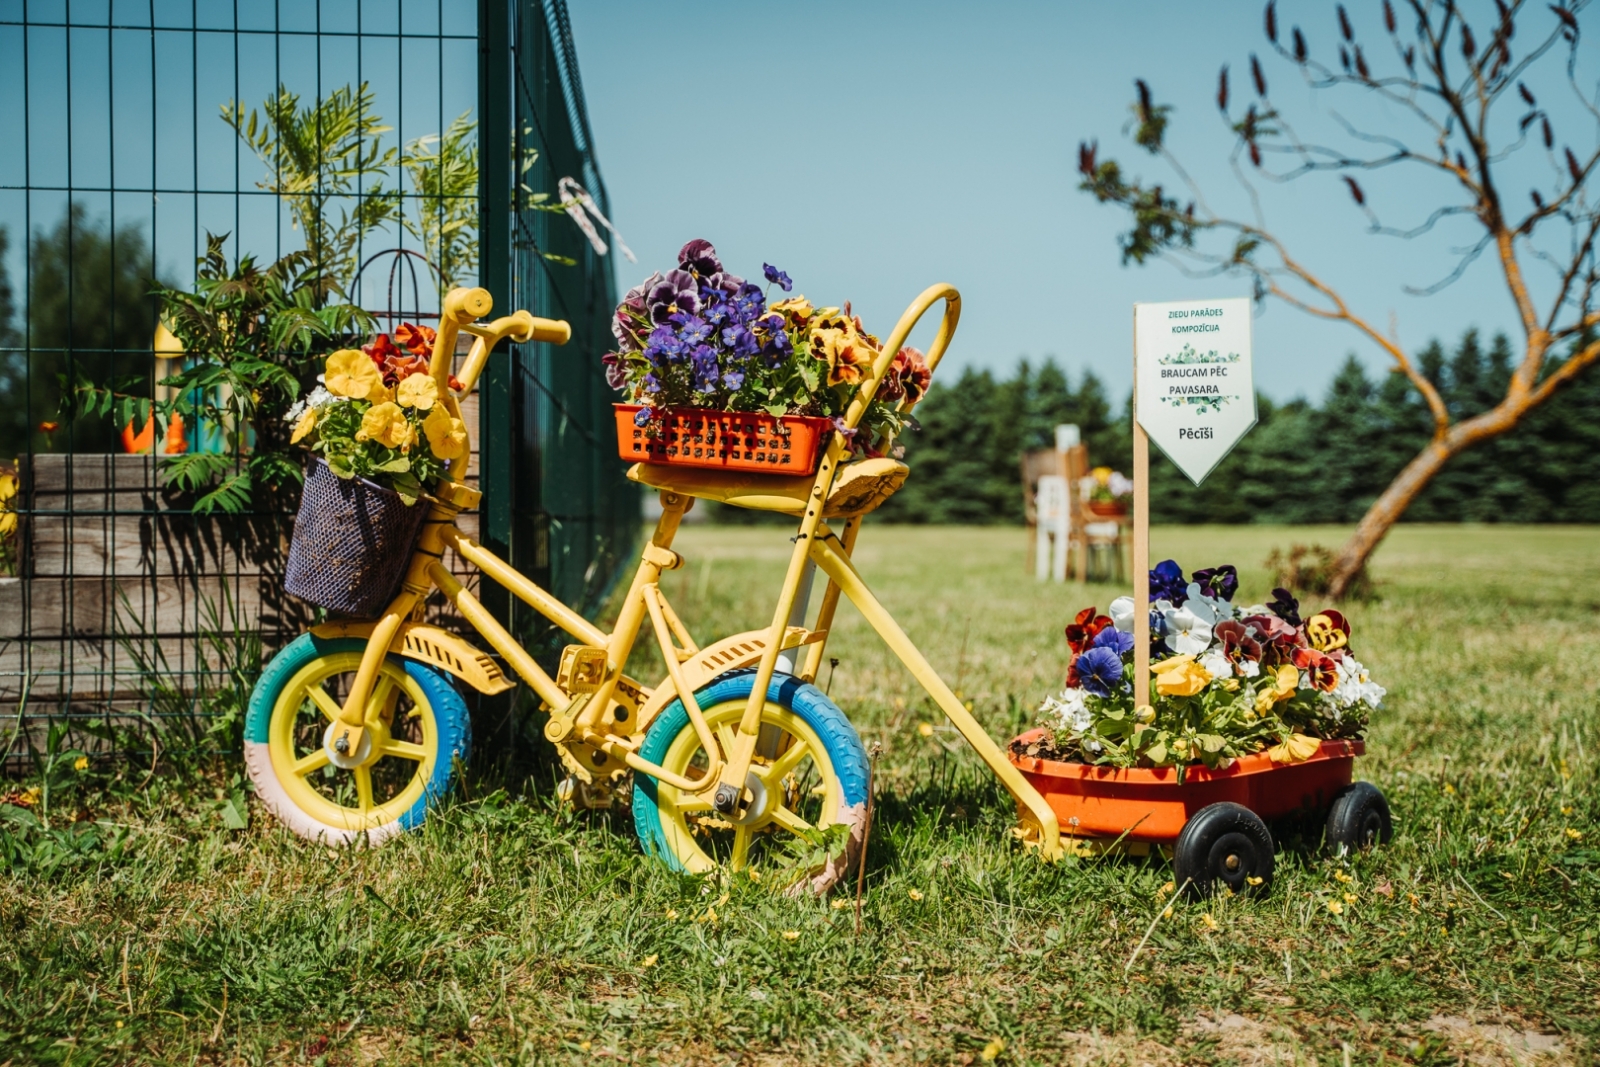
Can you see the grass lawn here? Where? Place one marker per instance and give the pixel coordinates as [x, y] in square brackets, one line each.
[511, 931]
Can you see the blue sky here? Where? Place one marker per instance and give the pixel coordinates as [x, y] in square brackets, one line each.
[873, 148]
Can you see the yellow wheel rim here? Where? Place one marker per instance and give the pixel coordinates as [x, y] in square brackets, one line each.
[404, 744]
[792, 768]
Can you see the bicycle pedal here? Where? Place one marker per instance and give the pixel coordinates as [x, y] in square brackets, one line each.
[583, 668]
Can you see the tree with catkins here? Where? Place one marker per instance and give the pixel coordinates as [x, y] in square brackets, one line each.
[1442, 100]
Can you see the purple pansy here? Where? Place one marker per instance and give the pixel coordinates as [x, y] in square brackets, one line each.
[1114, 639]
[1218, 583]
[1167, 583]
[1099, 669]
[676, 293]
[700, 257]
[777, 277]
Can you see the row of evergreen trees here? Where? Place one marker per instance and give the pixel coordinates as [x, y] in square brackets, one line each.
[1304, 462]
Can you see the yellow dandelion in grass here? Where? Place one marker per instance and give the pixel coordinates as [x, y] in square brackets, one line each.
[1166, 887]
[1566, 809]
[1576, 835]
[1211, 924]
[1336, 907]
[1350, 898]
[650, 960]
[755, 875]
[82, 764]
[1340, 876]
[672, 913]
[925, 729]
[583, 1046]
[791, 935]
[723, 899]
[709, 917]
[1168, 913]
[992, 1050]
[914, 894]
[1252, 879]
[840, 903]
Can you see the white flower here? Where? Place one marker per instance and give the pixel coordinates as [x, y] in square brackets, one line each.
[1121, 610]
[1070, 709]
[1120, 484]
[1355, 685]
[318, 398]
[1216, 664]
[1189, 627]
[1249, 668]
[1221, 610]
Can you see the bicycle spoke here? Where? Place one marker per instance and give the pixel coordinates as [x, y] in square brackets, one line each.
[404, 749]
[319, 696]
[363, 789]
[786, 763]
[725, 736]
[381, 703]
[741, 848]
[311, 762]
[692, 804]
[789, 820]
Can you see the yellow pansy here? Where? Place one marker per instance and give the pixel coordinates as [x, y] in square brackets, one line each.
[1180, 676]
[797, 309]
[1282, 687]
[8, 486]
[351, 373]
[418, 391]
[386, 424]
[1299, 747]
[447, 436]
[307, 423]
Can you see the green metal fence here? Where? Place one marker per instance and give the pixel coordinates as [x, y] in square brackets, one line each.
[111, 593]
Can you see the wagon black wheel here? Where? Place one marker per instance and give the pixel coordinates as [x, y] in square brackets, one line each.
[1359, 819]
[1224, 846]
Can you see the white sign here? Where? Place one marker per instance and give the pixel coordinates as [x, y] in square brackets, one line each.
[1194, 391]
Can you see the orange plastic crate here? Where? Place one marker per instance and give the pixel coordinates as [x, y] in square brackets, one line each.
[722, 440]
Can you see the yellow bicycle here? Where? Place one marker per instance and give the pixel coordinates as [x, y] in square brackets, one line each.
[356, 728]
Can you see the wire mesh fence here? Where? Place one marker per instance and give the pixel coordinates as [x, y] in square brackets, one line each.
[397, 151]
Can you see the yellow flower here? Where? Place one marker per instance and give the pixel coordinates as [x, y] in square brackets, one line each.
[1180, 676]
[1146, 714]
[915, 894]
[1576, 835]
[796, 309]
[992, 1050]
[1298, 747]
[925, 729]
[447, 436]
[1336, 907]
[418, 391]
[1282, 687]
[1166, 888]
[81, 763]
[791, 935]
[835, 341]
[672, 913]
[8, 486]
[1252, 879]
[1340, 876]
[755, 875]
[1102, 475]
[351, 373]
[1350, 898]
[1211, 924]
[386, 424]
[840, 903]
[307, 423]
[650, 960]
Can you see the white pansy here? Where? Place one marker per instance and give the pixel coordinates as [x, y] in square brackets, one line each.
[1216, 664]
[1121, 610]
[318, 398]
[1189, 627]
[1249, 668]
[1070, 708]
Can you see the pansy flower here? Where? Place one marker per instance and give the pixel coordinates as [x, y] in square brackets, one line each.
[1237, 644]
[1219, 583]
[1167, 582]
[1099, 670]
[699, 256]
[777, 277]
[1285, 606]
[1327, 631]
[418, 340]
[1321, 671]
[1082, 630]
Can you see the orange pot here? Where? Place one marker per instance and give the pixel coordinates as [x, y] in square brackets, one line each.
[144, 441]
[1150, 804]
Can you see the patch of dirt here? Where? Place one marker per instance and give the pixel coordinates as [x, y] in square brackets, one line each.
[1490, 1044]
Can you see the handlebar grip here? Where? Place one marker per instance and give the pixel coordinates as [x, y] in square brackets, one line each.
[555, 331]
[465, 305]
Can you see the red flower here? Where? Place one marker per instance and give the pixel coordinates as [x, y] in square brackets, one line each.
[1278, 639]
[1237, 643]
[1317, 668]
[908, 376]
[1082, 631]
[418, 340]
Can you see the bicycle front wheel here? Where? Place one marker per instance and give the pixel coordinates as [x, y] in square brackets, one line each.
[808, 779]
[403, 766]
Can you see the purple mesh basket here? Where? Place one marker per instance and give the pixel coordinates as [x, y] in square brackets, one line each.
[352, 542]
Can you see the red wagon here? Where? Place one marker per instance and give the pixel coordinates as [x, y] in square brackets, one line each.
[1214, 821]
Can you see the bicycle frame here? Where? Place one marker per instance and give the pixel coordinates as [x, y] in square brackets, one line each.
[593, 705]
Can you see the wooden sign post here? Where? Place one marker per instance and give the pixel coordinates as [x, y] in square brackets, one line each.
[1194, 394]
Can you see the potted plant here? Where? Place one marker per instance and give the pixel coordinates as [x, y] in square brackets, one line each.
[1110, 493]
[1259, 708]
[714, 376]
[382, 433]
